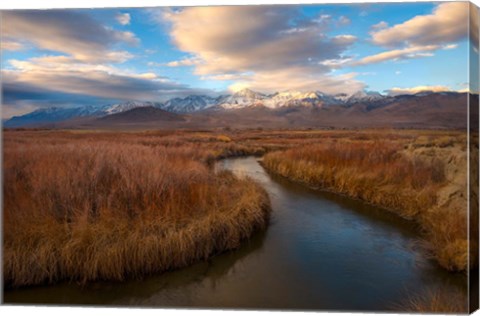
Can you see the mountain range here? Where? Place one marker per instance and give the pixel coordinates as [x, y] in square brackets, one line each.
[305, 109]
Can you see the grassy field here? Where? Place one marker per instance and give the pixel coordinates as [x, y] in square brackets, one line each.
[93, 205]
[419, 175]
[88, 206]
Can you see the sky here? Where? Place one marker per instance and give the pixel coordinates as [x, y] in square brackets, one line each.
[70, 58]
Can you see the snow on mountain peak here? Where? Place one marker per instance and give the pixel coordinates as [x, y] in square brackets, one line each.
[194, 103]
[125, 106]
[363, 95]
[241, 99]
[247, 93]
[191, 103]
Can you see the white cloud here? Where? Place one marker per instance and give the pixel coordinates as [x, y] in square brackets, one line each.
[398, 54]
[337, 63]
[184, 62]
[413, 90]
[123, 18]
[450, 46]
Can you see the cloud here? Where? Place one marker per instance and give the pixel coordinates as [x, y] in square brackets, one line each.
[397, 54]
[337, 63]
[43, 81]
[420, 36]
[343, 20]
[379, 26]
[301, 79]
[70, 32]
[413, 90]
[184, 62]
[10, 44]
[266, 42]
[450, 46]
[78, 67]
[446, 24]
[344, 39]
[123, 18]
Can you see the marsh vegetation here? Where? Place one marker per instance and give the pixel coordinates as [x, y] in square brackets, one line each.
[98, 205]
[90, 207]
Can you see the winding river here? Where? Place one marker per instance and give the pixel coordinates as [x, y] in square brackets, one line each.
[321, 251]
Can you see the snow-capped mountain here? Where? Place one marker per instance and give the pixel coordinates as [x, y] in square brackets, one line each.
[296, 98]
[247, 98]
[53, 114]
[241, 99]
[365, 96]
[188, 104]
[195, 103]
[129, 105]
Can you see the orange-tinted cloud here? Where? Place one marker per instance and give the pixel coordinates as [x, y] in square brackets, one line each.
[446, 24]
[269, 48]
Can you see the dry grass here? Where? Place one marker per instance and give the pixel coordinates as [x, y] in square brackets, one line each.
[89, 207]
[372, 172]
[419, 177]
[437, 301]
[86, 205]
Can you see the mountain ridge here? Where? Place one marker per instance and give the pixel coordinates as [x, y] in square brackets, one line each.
[242, 99]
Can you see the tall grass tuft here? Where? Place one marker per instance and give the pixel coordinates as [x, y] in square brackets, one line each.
[91, 209]
[375, 172]
[436, 301]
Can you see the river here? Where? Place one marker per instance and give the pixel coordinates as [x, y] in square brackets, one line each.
[321, 251]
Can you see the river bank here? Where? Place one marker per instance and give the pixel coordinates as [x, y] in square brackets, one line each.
[424, 180]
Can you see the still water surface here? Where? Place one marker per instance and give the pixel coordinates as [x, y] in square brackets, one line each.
[320, 251]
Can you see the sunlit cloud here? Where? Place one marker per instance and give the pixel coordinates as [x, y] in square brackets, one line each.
[73, 57]
[450, 46]
[267, 42]
[422, 35]
[184, 62]
[10, 44]
[399, 91]
[299, 79]
[446, 24]
[397, 54]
